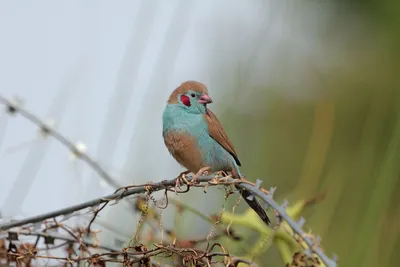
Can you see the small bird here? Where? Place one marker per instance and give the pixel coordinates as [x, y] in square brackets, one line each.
[195, 138]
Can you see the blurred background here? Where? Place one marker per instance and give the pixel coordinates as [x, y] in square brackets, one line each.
[308, 91]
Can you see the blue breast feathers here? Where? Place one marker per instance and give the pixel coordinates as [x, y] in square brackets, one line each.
[175, 119]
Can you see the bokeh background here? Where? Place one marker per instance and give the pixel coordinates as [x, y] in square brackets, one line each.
[308, 91]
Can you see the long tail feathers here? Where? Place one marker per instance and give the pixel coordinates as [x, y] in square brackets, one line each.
[255, 205]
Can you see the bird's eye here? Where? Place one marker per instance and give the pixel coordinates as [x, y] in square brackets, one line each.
[193, 95]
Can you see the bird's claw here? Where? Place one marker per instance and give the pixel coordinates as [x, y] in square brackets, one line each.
[202, 171]
[180, 180]
[184, 173]
[220, 178]
[223, 173]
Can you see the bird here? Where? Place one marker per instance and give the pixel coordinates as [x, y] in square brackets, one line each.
[196, 139]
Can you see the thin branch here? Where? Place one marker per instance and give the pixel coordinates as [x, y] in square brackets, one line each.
[296, 226]
[62, 237]
[267, 198]
[94, 202]
[48, 130]
[45, 129]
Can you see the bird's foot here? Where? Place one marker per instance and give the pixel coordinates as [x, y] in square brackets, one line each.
[182, 174]
[202, 171]
[221, 178]
[230, 175]
[223, 173]
[180, 180]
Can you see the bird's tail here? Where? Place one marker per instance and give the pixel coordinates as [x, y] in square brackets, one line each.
[252, 202]
[255, 205]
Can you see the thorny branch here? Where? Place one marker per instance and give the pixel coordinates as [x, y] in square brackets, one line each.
[127, 256]
[168, 185]
[46, 129]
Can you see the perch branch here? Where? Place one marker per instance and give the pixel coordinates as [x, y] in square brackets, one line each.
[267, 198]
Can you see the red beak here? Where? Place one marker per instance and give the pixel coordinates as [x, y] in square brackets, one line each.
[205, 99]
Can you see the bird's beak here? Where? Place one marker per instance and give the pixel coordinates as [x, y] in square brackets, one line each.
[205, 99]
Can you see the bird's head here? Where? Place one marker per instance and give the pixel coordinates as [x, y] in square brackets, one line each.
[191, 96]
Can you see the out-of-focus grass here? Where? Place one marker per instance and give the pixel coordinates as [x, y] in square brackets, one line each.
[347, 142]
[348, 146]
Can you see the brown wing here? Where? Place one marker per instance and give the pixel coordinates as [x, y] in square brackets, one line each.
[218, 134]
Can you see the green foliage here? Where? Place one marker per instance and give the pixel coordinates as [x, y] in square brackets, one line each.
[281, 236]
[348, 144]
[345, 141]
